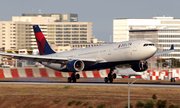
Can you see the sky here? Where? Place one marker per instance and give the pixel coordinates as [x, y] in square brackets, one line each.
[100, 12]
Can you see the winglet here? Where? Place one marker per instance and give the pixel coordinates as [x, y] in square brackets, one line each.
[172, 47]
[43, 45]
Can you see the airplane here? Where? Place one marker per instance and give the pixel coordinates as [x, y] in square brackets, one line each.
[127, 72]
[133, 52]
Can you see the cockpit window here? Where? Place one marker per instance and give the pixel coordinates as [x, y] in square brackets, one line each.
[148, 45]
[145, 44]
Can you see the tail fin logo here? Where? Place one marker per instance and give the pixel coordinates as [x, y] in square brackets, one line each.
[43, 45]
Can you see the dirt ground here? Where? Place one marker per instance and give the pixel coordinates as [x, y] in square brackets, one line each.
[59, 96]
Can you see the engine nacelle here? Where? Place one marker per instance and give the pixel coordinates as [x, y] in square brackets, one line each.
[75, 65]
[140, 66]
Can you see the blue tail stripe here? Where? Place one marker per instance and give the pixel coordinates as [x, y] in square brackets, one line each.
[47, 49]
[36, 29]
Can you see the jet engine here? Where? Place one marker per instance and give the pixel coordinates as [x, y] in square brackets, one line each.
[140, 66]
[75, 65]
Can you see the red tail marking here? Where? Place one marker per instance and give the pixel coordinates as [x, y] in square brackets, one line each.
[14, 73]
[41, 41]
[1, 73]
[43, 72]
[29, 72]
[39, 36]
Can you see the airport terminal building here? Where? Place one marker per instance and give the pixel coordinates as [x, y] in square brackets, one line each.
[162, 31]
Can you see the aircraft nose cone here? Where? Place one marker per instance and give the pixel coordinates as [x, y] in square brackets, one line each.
[154, 49]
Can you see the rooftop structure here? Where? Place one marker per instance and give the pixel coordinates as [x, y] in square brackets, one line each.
[70, 17]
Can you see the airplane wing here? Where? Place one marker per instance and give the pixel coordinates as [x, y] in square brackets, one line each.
[165, 52]
[49, 59]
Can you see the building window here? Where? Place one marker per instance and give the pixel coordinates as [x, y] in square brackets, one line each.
[75, 25]
[67, 25]
[75, 28]
[83, 25]
[83, 38]
[58, 25]
[67, 38]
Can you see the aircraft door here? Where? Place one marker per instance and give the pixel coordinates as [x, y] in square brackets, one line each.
[135, 47]
[109, 50]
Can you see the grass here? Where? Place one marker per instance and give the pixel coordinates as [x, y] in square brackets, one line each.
[56, 101]
[22, 91]
[90, 106]
[102, 105]
[28, 105]
[68, 87]
[87, 96]
[86, 103]
[71, 102]
[78, 102]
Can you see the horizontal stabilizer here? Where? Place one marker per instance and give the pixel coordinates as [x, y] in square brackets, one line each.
[165, 52]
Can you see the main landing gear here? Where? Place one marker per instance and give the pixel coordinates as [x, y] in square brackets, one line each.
[110, 76]
[73, 77]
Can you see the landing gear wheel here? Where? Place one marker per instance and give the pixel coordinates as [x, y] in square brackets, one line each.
[111, 80]
[173, 80]
[69, 79]
[114, 76]
[74, 80]
[77, 76]
[106, 79]
[110, 76]
[73, 77]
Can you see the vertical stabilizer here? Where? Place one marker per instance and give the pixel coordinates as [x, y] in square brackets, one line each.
[43, 45]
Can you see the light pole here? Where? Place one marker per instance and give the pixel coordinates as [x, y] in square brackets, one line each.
[129, 91]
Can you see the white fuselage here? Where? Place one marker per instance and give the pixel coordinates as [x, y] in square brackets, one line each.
[117, 52]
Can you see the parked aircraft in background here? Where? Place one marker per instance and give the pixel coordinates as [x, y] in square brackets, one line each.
[127, 72]
[134, 52]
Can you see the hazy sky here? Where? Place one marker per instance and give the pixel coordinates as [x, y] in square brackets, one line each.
[100, 12]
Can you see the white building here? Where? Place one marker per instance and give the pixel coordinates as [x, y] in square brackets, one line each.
[18, 33]
[166, 32]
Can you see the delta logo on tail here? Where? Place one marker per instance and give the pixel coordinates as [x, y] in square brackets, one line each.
[43, 45]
